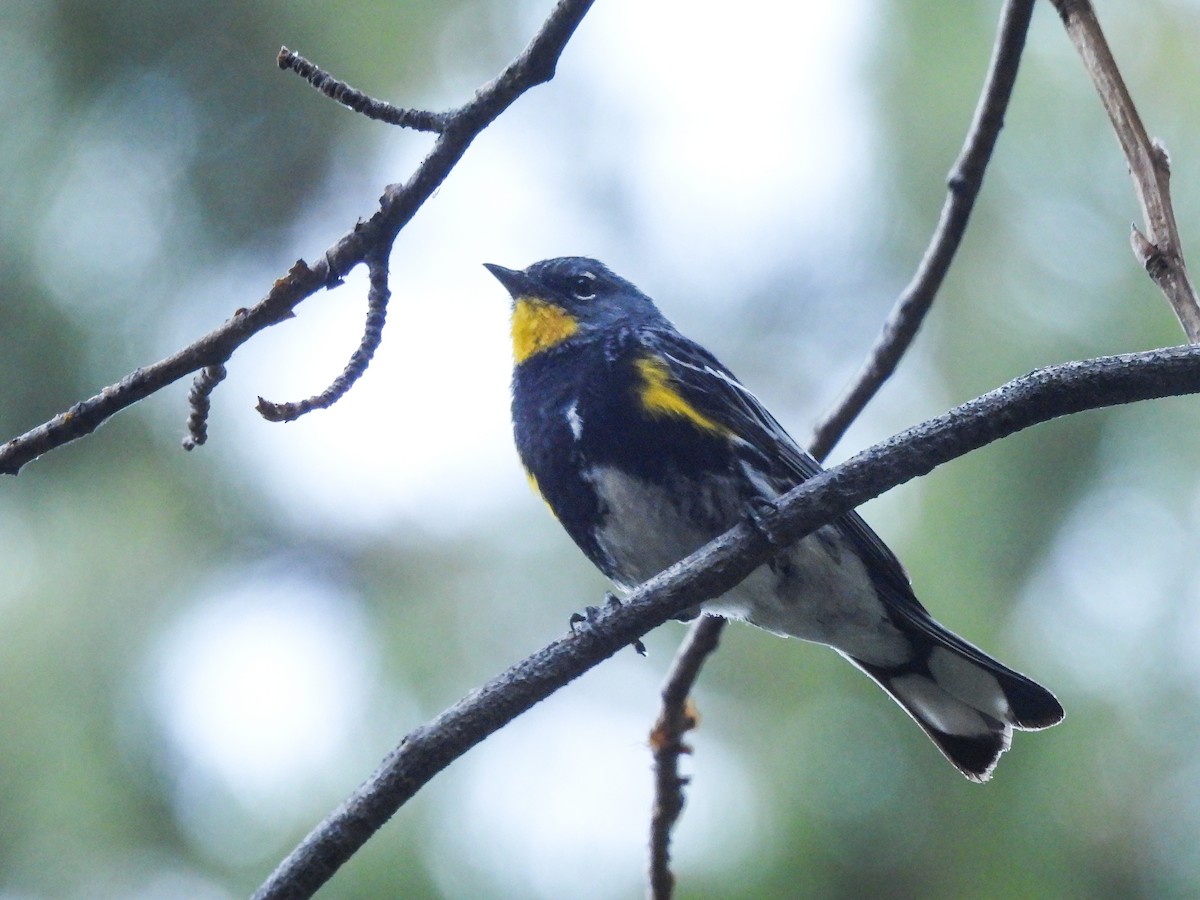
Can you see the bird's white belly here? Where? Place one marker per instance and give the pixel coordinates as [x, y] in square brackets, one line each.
[646, 528]
[817, 590]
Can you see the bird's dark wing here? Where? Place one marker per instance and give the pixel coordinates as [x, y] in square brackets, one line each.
[764, 445]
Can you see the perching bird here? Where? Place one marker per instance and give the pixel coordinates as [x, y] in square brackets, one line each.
[645, 448]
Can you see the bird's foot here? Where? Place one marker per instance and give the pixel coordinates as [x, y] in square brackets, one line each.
[757, 511]
[591, 613]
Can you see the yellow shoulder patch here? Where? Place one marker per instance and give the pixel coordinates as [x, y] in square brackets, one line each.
[537, 326]
[660, 398]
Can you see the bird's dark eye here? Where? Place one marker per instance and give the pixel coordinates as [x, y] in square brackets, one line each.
[583, 287]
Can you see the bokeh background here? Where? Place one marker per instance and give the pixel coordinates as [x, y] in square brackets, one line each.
[200, 654]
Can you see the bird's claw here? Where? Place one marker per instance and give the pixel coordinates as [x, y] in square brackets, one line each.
[757, 510]
[591, 613]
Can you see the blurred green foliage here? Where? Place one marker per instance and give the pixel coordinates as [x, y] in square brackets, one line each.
[1068, 551]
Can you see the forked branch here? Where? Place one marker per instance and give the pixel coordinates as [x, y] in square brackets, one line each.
[371, 239]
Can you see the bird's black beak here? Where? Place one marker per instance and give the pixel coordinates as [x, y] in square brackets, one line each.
[518, 284]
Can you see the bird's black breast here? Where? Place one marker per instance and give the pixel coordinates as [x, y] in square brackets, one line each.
[579, 411]
[544, 410]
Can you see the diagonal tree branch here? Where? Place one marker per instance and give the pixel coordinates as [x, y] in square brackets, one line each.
[1038, 397]
[964, 182]
[535, 65]
[1160, 250]
[211, 350]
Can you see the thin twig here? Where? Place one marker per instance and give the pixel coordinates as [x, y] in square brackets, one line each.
[200, 401]
[378, 295]
[400, 202]
[676, 719]
[964, 181]
[213, 349]
[714, 569]
[1160, 250]
[417, 119]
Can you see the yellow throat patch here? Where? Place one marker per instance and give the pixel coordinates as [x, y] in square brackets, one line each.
[660, 398]
[538, 326]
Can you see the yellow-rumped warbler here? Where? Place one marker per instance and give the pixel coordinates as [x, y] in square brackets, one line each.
[645, 448]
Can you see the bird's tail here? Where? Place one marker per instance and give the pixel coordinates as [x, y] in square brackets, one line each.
[967, 702]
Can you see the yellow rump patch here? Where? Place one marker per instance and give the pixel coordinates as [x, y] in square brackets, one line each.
[660, 398]
[537, 326]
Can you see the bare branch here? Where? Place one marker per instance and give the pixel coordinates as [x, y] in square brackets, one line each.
[417, 119]
[200, 400]
[377, 299]
[965, 181]
[1160, 250]
[211, 350]
[675, 720]
[400, 202]
[714, 569]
